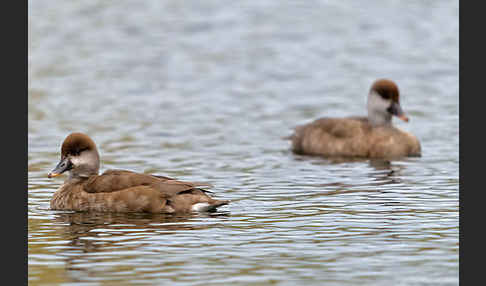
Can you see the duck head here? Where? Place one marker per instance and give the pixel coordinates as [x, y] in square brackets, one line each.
[79, 157]
[384, 102]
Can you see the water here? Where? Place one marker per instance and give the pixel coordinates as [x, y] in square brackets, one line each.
[205, 91]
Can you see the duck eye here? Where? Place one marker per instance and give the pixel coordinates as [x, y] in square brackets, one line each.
[385, 95]
[78, 151]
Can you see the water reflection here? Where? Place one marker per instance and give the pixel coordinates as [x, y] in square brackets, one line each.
[78, 225]
[211, 105]
[381, 170]
[95, 241]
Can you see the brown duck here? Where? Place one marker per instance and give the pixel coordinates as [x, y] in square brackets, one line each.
[369, 137]
[120, 190]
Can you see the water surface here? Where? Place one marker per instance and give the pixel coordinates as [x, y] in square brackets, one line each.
[205, 91]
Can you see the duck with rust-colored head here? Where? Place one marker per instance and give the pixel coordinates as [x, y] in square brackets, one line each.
[120, 190]
[368, 137]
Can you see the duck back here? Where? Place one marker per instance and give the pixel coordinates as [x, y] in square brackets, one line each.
[353, 137]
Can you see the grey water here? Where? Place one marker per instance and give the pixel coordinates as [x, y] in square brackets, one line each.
[206, 91]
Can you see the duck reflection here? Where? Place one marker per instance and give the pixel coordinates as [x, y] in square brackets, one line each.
[95, 238]
[362, 175]
[88, 231]
[382, 170]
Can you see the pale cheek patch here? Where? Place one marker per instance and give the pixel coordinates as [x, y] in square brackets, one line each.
[86, 158]
[77, 160]
[200, 207]
[79, 164]
[378, 102]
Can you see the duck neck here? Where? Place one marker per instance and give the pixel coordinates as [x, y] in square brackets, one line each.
[79, 176]
[377, 110]
[379, 119]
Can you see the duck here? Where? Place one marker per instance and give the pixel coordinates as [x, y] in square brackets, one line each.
[120, 191]
[371, 136]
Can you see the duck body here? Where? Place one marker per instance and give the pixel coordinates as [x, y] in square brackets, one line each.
[121, 190]
[373, 136]
[126, 191]
[353, 137]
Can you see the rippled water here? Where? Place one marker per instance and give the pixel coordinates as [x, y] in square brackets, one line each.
[205, 91]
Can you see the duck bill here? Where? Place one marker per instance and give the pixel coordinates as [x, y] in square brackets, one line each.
[396, 109]
[63, 166]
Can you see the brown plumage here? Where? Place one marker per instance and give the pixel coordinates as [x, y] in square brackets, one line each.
[120, 190]
[369, 137]
[353, 137]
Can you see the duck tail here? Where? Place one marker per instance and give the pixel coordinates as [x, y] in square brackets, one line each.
[217, 203]
[209, 206]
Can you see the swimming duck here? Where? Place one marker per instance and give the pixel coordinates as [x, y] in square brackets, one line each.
[370, 137]
[120, 190]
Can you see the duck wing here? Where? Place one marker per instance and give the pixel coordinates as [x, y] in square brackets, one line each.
[126, 191]
[329, 136]
[117, 180]
[339, 128]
